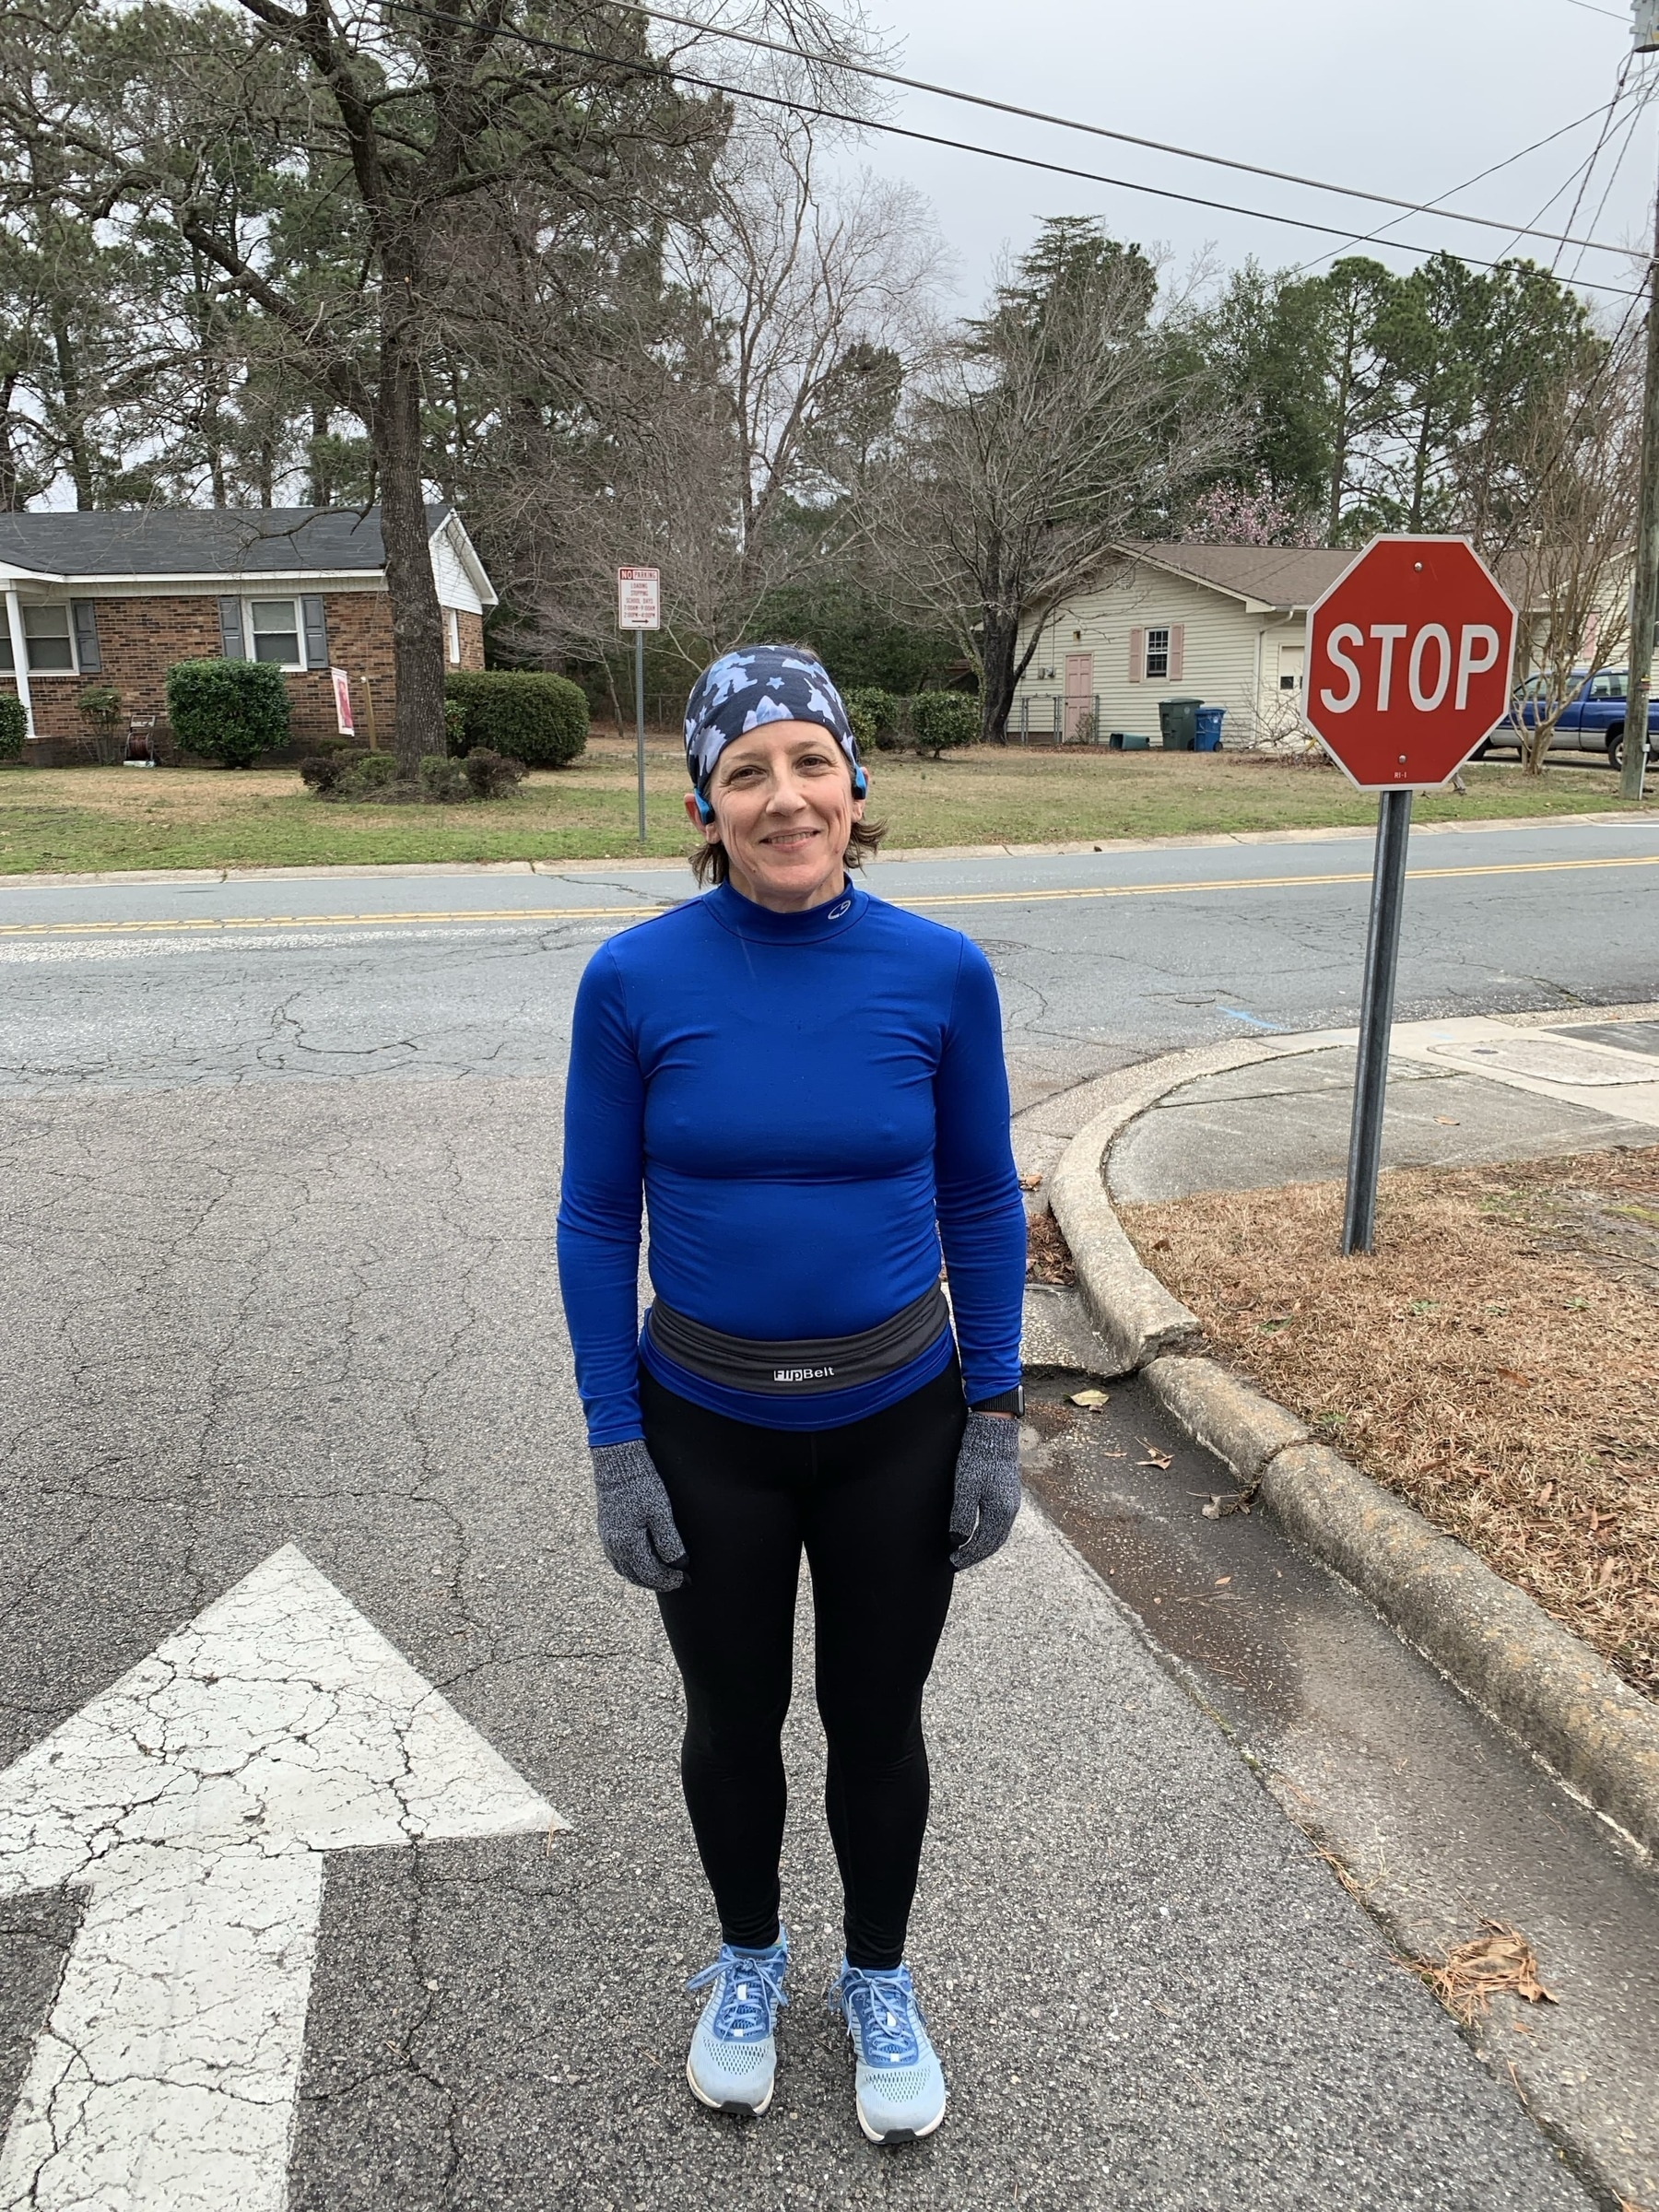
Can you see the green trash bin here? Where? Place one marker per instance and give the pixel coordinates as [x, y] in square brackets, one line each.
[1178, 720]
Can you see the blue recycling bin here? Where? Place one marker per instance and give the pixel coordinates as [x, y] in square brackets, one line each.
[1206, 735]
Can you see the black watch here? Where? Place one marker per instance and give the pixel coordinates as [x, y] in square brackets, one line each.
[1005, 1401]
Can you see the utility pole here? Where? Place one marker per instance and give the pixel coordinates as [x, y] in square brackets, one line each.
[1644, 594]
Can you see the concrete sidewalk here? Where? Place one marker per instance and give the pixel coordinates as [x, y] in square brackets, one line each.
[1459, 1091]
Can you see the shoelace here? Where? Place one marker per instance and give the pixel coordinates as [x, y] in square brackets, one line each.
[885, 2004]
[754, 1985]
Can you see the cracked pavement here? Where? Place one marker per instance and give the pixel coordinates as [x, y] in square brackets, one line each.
[276, 1216]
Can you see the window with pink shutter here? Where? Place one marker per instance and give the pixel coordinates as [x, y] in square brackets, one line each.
[1137, 655]
[1177, 650]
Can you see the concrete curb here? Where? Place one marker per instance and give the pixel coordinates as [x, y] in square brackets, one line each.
[1135, 1317]
[1536, 1678]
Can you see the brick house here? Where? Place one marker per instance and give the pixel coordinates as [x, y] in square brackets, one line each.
[117, 597]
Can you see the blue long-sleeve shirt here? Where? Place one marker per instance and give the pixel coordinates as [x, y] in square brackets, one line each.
[809, 1103]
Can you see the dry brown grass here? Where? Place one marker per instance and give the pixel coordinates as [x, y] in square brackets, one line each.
[1496, 1360]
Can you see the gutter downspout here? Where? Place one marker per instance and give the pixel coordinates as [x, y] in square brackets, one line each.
[14, 623]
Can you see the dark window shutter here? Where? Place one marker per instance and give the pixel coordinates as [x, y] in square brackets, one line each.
[85, 616]
[230, 629]
[316, 633]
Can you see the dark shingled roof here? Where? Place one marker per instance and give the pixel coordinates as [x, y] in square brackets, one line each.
[198, 541]
[1282, 575]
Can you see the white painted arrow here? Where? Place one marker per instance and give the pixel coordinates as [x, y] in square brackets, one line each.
[196, 1799]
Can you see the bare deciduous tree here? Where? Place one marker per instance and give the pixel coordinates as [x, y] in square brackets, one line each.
[802, 273]
[1042, 436]
[1566, 544]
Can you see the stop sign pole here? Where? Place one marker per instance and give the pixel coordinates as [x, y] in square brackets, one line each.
[1409, 669]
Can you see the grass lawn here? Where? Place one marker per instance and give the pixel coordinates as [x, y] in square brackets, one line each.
[82, 819]
[1496, 1360]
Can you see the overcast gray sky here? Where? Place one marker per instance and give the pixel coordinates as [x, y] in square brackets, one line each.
[1409, 96]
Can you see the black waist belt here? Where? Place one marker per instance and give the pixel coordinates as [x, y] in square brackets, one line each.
[791, 1370]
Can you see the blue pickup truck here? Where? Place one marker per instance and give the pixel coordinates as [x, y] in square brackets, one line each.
[1592, 721]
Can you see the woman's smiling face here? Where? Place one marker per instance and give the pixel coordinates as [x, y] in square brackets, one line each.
[783, 809]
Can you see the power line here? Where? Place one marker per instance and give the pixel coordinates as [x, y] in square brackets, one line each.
[1094, 129]
[1619, 162]
[1601, 140]
[962, 146]
[1380, 235]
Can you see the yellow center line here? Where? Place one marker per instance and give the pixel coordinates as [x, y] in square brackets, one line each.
[222, 926]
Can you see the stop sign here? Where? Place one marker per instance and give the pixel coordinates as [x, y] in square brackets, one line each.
[1408, 663]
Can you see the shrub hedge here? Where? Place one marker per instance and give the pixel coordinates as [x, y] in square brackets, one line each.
[353, 772]
[14, 728]
[940, 720]
[539, 719]
[228, 710]
[878, 717]
[350, 773]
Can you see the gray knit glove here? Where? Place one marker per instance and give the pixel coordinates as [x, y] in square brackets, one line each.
[987, 1488]
[636, 1520]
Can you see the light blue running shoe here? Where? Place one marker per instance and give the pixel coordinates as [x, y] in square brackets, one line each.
[732, 2060]
[900, 2084]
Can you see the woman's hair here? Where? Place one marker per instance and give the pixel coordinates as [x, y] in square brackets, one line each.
[710, 864]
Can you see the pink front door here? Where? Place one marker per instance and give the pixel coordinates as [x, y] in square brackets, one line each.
[1080, 692]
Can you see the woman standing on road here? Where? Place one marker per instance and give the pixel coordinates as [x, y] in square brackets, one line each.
[807, 1085]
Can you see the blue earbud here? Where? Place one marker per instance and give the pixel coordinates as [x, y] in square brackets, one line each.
[705, 813]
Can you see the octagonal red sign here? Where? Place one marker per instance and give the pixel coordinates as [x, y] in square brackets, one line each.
[1408, 664]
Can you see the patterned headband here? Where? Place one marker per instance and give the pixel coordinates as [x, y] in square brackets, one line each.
[755, 684]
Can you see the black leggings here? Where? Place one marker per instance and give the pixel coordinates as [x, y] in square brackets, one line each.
[871, 1505]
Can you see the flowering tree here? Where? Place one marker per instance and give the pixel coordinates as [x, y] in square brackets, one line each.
[1236, 515]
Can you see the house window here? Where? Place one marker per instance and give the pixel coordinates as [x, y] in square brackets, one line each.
[275, 624]
[50, 640]
[1157, 655]
[455, 636]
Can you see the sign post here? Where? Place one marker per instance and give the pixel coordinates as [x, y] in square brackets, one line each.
[639, 608]
[1409, 662]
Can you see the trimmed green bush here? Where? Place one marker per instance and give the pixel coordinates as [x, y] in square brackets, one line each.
[350, 773]
[492, 775]
[322, 772]
[228, 710]
[878, 717]
[354, 773]
[444, 781]
[940, 720]
[370, 774]
[14, 728]
[540, 720]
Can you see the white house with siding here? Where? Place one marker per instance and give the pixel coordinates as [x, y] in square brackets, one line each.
[1224, 624]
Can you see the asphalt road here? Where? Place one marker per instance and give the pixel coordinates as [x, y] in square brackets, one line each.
[275, 1203]
[1101, 959]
